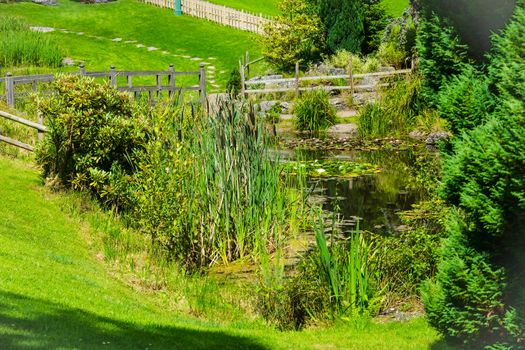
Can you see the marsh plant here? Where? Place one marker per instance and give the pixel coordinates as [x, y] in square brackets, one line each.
[313, 111]
[19, 46]
[208, 188]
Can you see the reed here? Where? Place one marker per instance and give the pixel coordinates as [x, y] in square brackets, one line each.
[19, 46]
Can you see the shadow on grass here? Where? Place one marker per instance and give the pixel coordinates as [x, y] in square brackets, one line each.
[27, 323]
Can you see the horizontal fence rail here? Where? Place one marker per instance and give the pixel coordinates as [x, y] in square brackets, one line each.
[294, 84]
[216, 13]
[164, 81]
[38, 126]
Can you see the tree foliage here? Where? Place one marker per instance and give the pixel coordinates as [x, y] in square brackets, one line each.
[478, 296]
[294, 36]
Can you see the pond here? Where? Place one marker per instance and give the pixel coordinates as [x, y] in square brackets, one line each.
[374, 198]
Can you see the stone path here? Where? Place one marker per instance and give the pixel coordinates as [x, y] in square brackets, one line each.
[210, 68]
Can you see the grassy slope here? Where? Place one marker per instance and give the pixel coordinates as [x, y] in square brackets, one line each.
[55, 293]
[267, 7]
[132, 20]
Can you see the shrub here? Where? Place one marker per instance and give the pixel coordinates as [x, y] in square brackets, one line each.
[440, 53]
[399, 39]
[341, 59]
[233, 86]
[294, 36]
[21, 46]
[313, 111]
[478, 295]
[94, 135]
[465, 100]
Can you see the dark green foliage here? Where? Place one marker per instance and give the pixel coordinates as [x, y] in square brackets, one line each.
[313, 111]
[473, 20]
[353, 25]
[478, 296]
[465, 100]
[94, 135]
[399, 40]
[440, 53]
[233, 85]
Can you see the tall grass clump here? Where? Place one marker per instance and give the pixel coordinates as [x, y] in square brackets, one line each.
[208, 188]
[395, 112]
[20, 46]
[313, 111]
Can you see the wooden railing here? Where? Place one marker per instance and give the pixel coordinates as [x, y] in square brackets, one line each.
[38, 126]
[164, 81]
[216, 13]
[294, 84]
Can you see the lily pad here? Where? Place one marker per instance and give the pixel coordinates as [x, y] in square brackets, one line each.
[330, 168]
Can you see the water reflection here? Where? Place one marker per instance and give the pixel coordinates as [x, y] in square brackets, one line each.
[374, 200]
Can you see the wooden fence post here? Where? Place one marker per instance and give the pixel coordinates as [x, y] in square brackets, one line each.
[113, 76]
[82, 69]
[243, 79]
[297, 79]
[10, 90]
[351, 76]
[202, 85]
[171, 80]
[248, 61]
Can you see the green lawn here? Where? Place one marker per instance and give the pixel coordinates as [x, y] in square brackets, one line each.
[57, 293]
[395, 8]
[148, 25]
[267, 7]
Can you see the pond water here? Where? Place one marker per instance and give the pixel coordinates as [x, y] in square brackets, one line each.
[373, 200]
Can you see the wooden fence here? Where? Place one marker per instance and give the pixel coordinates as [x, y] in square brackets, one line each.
[220, 14]
[294, 84]
[164, 81]
[38, 126]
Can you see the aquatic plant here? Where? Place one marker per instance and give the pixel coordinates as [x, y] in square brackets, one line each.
[313, 111]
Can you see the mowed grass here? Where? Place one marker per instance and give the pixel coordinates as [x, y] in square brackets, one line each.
[395, 8]
[266, 7]
[56, 292]
[148, 25]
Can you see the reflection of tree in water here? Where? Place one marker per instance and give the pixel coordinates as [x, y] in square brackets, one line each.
[374, 199]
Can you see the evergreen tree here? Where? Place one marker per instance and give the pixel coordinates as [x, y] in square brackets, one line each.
[478, 296]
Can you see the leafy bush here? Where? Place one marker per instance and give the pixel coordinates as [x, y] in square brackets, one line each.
[465, 100]
[313, 111]
[94, 135]
[399, 39]
[294, 36]
[21, 46]
[341, 59]
[233, 85]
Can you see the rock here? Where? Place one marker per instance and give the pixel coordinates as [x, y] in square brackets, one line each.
[45, 2]
[435, 137]
[285, 107]
[344, 130]
[68, 61]
[326, 70]
[338, 103]
[265, 106]
[42, 29]
[417, 135]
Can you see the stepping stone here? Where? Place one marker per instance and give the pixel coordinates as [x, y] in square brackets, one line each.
[215, 85]
[116, 39]
[344, 129]
[80, 33]
[130, 41]
[186, 56]
[347, 113]
[140, 45]
[151, 48]
[206, 63]
[68, 61]
[42, 29]
[212, 58]
[165, 52]
[212, 68]
[196, 59]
